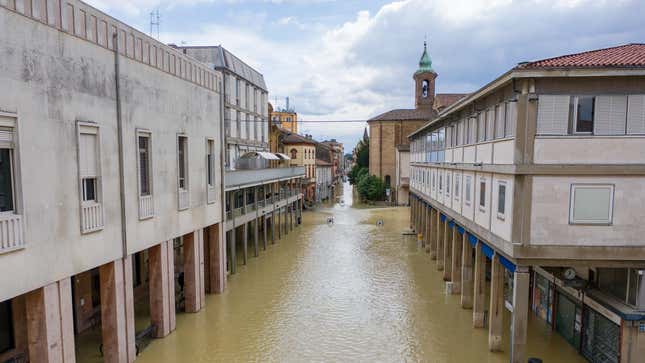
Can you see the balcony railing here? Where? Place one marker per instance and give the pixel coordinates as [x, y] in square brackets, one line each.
[91, 217]
[229, 215]
[238, 212]
[183, 199]
[210, 194]
[146, 207]
[11, 233]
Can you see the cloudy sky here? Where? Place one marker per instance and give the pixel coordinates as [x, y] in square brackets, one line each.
[353, 59]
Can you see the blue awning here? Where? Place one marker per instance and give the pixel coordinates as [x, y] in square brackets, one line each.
[506, 263]
[461, 229]
[443, 218]
[473, 240]
[487, 250]
[451, 224]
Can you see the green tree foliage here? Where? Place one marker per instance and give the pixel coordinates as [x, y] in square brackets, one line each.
[363, 154]
[371, 187]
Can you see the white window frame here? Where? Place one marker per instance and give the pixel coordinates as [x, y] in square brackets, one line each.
[186, 164]
[93, 207]
[146, 202]
[8, 122]
[500, 184]
[212, 175]
[574, 122]
[147, 134]
[457, 185]
[483, 180]
[468, 187]
[609, 221]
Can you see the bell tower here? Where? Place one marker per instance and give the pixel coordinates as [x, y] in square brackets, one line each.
[424, 79]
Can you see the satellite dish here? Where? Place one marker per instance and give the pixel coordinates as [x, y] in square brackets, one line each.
[569, 274]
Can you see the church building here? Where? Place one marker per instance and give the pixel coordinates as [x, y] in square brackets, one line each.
[389, 145]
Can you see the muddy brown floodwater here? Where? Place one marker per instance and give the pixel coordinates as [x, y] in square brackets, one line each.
[351, 291]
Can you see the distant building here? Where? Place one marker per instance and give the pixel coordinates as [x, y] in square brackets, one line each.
[389, 130]
[338, 159]
[286, 118]
[324, 181]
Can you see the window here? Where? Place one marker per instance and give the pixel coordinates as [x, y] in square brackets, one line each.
[210, 163]
[591, 204]
[6, 179]
[583, 114]
[467, 188]
[433, 179]
[481, 127]
[440, 181]
[88, 149]
[448, 184]
[501, 200]
[482, 194]
[145, 185]
[457, 182]
[182, 157]
[6, 327]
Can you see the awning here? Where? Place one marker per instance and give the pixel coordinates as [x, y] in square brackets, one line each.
[507, 263]
[260, 154]
[461, 229]
[282, 156]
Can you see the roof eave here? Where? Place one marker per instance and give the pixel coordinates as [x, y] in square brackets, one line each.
[517, 73]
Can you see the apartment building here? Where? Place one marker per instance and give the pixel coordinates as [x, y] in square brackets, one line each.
[286, 118]
[324, 181]
[111, 183]
[538, 177]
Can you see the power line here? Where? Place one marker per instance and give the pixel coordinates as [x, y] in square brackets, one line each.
[313, 122]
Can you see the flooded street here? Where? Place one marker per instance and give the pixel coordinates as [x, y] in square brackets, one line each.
[349, 291]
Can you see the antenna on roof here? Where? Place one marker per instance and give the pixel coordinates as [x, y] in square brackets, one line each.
[155, 22]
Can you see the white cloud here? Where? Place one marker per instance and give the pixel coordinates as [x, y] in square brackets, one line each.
[364, 66]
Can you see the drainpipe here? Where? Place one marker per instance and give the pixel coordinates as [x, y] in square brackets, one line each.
[119, 123]
[223, 167]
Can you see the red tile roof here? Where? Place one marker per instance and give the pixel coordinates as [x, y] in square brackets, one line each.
[623, 56]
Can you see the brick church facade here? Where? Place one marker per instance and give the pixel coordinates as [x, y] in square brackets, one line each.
[389, 131]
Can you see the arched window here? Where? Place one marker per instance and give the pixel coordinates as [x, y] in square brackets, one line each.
[425, 88]
[294, 153]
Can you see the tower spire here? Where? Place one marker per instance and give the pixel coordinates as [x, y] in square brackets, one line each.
[425, 64]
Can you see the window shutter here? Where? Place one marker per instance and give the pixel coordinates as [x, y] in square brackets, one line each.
[636, 115]
[610, 115]
[481, 127]
[448, 137]
[511, 118]
[88, 159]
[472, 129]
[553, 115]
[490, 124]
[6, 138]
[499, 123]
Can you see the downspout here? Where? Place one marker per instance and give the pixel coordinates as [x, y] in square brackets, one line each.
[119, 123]
[222, 168]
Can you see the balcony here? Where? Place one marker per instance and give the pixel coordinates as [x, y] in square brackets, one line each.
[11, 233]
[146, 207]
[91, 217]
[246, 178]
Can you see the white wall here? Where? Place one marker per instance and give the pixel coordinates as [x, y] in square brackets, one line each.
[50, 81]
[590, 150]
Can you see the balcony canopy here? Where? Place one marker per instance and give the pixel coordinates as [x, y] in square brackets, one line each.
[260, 155]
[283, 156]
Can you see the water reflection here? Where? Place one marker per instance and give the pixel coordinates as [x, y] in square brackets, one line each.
[349, 291]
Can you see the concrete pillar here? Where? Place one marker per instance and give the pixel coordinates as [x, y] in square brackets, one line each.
[162, 288]
[447, 251]
[194, 291]
[466, 273]
[434, 226]
[264, 232]
[279, 222]
[479, 290]
[440, 232]
[273, 214]
[50, 323]
[428, 231]
[256, 239]
[496, 306]
[232, 250]
[424, 214]
[216, 259]
[245, 242]
[457, 241]
[519, 322]
[117, 311]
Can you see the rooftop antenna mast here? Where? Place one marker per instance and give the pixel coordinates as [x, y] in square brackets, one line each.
[155, 22]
